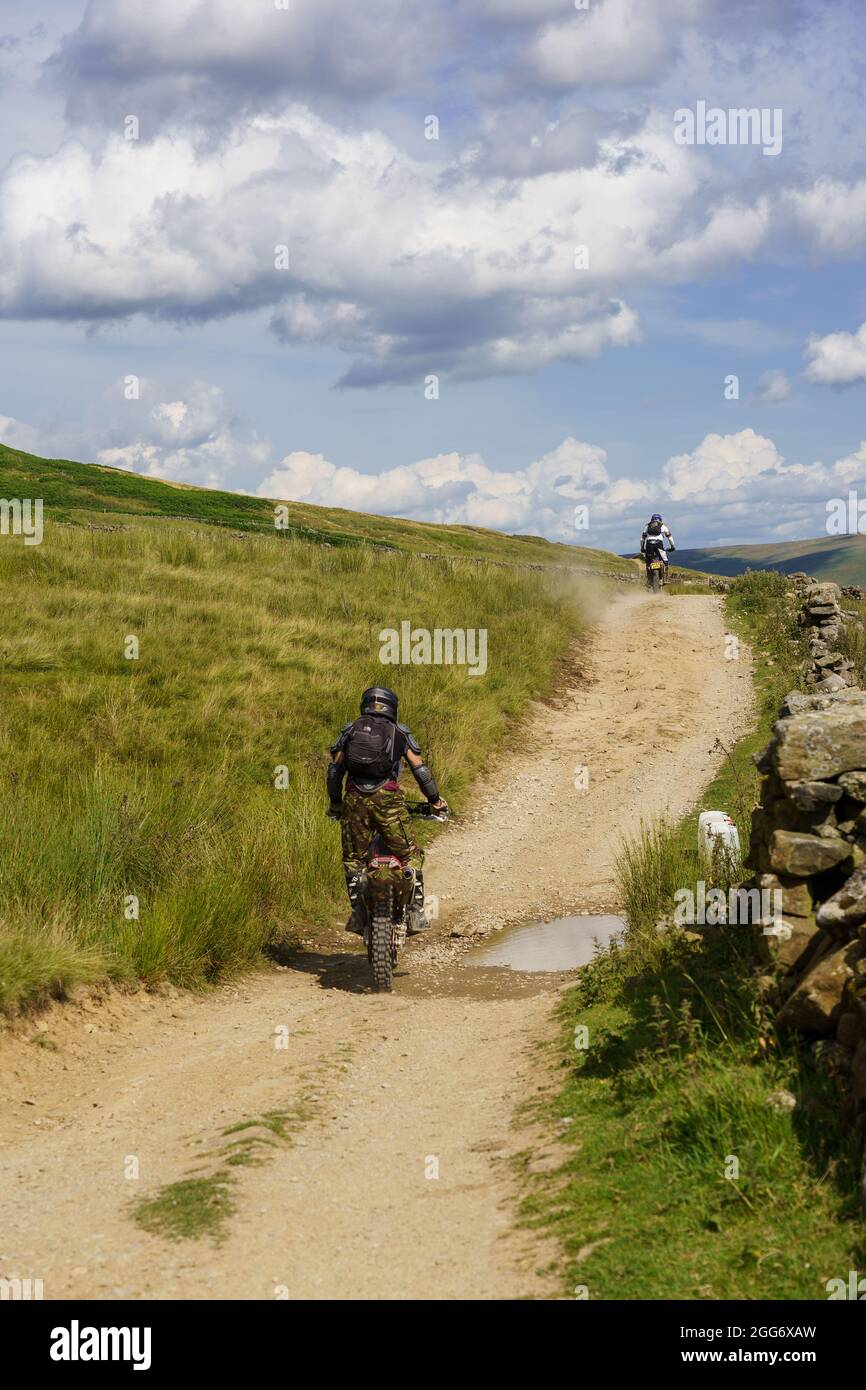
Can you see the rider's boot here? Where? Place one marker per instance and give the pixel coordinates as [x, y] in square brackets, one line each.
[416, 918]
[356, 918]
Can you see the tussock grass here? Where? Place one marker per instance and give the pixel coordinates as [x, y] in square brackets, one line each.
[154, 778]
[852, 640]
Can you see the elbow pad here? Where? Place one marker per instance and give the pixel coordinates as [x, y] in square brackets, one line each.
[336, 773]
[426, 781]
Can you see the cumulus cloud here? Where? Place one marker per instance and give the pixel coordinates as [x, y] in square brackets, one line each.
[851, 468]
[738, 486]
[628, 42]
[831, 212]
[386, 261]
[837, 359]
[458, 489]
[615, 42]
[728, 487]
[773, 388]
[190, 440]
[457, 261]
[206, 60]
[19, 435]
[746, 465]
[734, 486]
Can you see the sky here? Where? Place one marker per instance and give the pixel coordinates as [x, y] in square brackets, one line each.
[466, 261]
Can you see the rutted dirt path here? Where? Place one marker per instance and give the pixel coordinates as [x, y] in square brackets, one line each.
[390, 1175]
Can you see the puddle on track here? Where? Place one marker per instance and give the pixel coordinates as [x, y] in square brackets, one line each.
[564, 944]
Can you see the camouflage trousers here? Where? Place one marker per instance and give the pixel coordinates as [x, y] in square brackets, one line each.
[383, 811]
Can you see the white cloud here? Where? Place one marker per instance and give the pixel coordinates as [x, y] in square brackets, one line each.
[837, 359]
[191, 440]
[459, 489]
[612, 42]
[737, 485]
[18, 435]
[411, 265]
[205, 60]
[773, 388]
[851, 468]
[721, 464]
[832, 213]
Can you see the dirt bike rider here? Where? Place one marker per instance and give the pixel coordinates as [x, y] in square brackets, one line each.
[370, 750]
[654, 535]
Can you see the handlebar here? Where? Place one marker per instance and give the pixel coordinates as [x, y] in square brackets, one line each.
[423, 808]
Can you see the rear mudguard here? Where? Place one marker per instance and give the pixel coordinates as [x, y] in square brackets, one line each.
[388, 885]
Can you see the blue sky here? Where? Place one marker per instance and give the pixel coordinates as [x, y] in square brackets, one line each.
[411, 257]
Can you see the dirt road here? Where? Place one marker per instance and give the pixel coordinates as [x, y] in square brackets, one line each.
[375, 1144]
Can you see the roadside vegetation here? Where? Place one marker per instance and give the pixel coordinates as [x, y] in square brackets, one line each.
[149, 784]
[852, 639]
[683, 1073]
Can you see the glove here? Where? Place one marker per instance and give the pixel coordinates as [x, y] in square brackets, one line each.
[335, 810]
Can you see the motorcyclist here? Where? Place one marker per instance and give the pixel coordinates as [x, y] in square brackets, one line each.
[653, 538]
[370, 750]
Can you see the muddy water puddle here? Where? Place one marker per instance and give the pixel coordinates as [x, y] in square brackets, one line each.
[564, 944]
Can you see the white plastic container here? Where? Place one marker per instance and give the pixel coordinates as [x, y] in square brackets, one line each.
[716, 829]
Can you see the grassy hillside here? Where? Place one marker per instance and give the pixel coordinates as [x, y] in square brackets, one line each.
[91, 492]
[153, 777]
[840, 558]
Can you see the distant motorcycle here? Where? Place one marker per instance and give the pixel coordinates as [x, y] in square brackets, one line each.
[656, 565]
[387, 887]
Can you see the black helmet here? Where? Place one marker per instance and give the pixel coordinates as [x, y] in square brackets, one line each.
[378, 700]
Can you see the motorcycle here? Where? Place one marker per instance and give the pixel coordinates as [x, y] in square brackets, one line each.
[656, 569]
[387, 888]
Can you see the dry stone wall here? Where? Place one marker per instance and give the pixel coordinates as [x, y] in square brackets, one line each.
[808, 847]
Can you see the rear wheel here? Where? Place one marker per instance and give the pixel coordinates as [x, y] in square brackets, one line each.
[656, 582]
[381, 961]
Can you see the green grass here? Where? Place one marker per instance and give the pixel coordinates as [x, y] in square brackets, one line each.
[153, 778]
[678, 1075]
[853, 638]
[202, 1203]
[189, 1209]
[677, 587]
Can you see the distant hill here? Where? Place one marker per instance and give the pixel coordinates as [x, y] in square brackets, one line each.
[840, 558]
[86, 492]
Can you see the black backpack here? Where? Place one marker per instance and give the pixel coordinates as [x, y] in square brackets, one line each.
[369, 747]
[654, 528]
